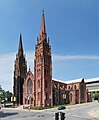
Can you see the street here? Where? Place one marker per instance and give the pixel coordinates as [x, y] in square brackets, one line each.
[73, 112]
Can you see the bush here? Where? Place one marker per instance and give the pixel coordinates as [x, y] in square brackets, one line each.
[96, 96]
[40, 108]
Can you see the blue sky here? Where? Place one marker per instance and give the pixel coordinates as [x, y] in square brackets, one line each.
[73, 28]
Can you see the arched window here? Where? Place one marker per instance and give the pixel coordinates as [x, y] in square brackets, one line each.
[68, 87]
[46, 96]
[70, 97]
[55, 86]
[75, 87]
[29, 86]
[38, 82]
[71, 88]
[39, 96]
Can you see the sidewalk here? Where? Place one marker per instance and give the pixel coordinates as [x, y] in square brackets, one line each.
[95, 114]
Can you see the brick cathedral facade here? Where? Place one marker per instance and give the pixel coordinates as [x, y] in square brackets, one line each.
[20, 70]
[39, 89]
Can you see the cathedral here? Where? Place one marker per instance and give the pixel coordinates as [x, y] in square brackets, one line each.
[38, 88]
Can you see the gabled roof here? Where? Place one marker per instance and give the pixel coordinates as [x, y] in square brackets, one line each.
[77, 80]
[29, 73]
[57, 80]
[74, 81]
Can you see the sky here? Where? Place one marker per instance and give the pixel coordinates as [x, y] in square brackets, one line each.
[71, 25]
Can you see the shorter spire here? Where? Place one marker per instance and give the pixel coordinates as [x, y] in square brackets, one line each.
[20, 49]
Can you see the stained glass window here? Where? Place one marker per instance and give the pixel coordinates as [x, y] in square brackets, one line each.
[29, 86]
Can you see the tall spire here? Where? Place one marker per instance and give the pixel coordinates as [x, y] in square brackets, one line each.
[20, 49]
[43, 28]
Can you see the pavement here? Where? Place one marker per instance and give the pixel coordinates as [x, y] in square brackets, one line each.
[95, 114]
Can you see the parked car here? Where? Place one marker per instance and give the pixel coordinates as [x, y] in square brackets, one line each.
[61, 107]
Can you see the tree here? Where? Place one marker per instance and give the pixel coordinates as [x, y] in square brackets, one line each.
[96, 96]
[5, 95]
[1, 93]
[8, 95]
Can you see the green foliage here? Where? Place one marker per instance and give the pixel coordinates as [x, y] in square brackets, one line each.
[40, 108]
[96, 96]
[5, 95]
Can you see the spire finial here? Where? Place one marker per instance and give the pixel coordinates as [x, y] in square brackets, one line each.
[43, 11]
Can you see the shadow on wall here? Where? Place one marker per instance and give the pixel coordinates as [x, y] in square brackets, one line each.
[3, 115]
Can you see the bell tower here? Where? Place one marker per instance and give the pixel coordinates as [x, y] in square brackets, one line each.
[20, 70]
[43, 68]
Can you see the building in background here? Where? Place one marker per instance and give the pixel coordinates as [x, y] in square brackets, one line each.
[92, 86]
[69, 92]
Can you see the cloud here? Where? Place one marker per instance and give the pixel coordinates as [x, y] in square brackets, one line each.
[6, 70]
[75, 57]
[30, 60]
[7, 66]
